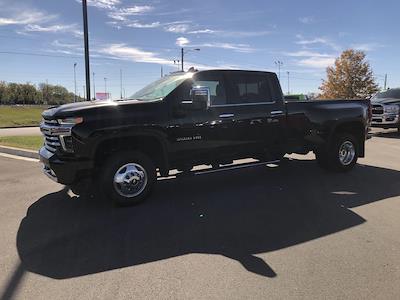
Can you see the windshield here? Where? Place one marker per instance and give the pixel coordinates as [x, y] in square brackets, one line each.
[394, 93]
[160, 88]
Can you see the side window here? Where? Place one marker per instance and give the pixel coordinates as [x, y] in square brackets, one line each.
[249, 88]
[216, 85]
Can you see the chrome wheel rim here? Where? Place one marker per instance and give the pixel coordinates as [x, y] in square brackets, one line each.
[347, 152]
[130, 180]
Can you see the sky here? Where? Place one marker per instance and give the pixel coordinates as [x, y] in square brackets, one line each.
[41, 40]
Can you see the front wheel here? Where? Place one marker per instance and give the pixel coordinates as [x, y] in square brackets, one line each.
[128, 177]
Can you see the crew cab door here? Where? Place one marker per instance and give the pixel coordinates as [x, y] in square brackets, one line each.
[195, 134]
[253, 116]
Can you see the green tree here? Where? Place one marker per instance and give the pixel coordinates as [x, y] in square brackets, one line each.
[350, 78]
[3, 92]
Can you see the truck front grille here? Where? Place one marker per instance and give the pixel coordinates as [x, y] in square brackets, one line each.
[377, 109]
[50, 133]
[51, 142]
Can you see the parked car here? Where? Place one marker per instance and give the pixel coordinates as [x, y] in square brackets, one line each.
[386, 109]
[209, 117]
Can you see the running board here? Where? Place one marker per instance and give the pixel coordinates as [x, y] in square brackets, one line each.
[175, 174]
[234, 167]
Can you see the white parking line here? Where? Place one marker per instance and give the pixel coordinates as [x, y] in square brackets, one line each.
[18, 157]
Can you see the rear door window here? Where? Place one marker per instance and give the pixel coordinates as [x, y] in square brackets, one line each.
[249, 88]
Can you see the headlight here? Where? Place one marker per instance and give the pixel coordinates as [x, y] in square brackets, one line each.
[70, 121]
[391, 109]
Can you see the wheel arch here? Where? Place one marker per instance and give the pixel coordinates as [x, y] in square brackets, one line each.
[356, 129]
[150, 144]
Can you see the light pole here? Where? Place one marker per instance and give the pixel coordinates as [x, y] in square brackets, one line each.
[183, 52]
[75, 81]
[288, 82]
[94, 87]
[120, 77]
[279, 64]
[384, 84]
[86, 39]
[105, 87]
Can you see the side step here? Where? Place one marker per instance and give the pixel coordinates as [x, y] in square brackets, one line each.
[207, 170]
[234, 167]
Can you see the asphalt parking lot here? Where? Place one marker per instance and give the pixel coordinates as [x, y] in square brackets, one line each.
[289, 232]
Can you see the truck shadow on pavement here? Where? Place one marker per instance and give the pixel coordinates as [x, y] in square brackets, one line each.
[236, 214]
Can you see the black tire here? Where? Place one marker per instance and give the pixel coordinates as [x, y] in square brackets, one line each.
[115, 163]
[334, 161]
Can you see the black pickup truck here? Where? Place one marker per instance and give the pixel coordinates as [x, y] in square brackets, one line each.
[186, 119]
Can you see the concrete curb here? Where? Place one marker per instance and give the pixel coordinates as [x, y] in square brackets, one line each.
[19, 152]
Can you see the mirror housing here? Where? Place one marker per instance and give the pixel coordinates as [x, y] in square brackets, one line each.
[200, 98]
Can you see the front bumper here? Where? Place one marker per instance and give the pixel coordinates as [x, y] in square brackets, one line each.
[64, 171]
[385, 121]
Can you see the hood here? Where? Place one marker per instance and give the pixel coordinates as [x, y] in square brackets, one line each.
[75, 109]
[385, 101]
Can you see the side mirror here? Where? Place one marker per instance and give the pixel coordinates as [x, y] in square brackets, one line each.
[200, 98]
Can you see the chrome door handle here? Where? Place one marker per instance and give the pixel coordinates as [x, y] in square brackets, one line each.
[276, 112]
[224, 116]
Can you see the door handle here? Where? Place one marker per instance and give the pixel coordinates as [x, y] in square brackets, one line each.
[276, 112]
[225, 116]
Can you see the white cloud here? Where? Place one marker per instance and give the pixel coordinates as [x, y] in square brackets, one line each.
[244, 48]
[122, 14]
[318, 40]
[182, 41]
[59, 44]
[306, 53]
[306, 20]
[25, 17]
[122, 51]
[136, 24]
[316, 62]
[107, 4]
[177, 28]
[366, 46]
[202, 31]
[73, 28]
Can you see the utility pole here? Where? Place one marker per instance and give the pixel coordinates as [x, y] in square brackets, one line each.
[384, 85]
[279, 64]
[105, 87]
[94, 87]
[120, 77]
[75, 81]
[288, 82]
[182, 55]
[162, 72]
[86, 39]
